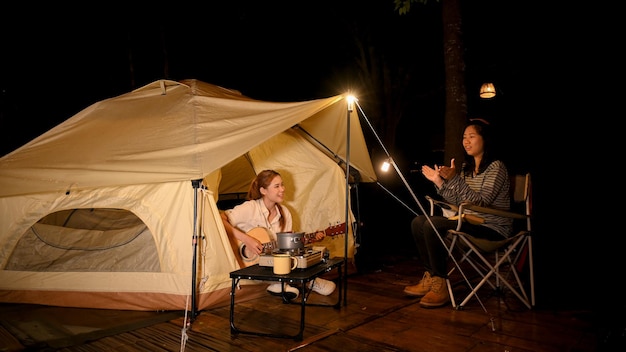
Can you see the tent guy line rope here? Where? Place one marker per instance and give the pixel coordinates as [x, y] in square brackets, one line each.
[419, 204]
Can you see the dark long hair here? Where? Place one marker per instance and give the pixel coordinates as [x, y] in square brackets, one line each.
[263, 179]
[484, 129]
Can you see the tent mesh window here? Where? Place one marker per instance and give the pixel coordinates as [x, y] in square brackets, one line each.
[105, 240]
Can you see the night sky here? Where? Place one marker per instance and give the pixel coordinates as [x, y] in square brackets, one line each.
[57, 61]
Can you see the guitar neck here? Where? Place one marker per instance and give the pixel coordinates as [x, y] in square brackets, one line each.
[329, 232]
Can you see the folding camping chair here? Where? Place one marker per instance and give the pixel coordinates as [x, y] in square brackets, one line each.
[498, 264]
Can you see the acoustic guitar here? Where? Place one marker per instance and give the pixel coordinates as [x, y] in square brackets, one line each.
[265, 237]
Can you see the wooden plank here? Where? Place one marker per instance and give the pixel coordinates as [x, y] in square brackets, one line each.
[378, 317]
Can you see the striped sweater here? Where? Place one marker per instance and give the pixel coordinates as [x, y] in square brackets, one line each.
[488, 189]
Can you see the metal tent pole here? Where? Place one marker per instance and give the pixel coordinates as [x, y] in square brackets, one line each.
[194, 304]
[350, 108]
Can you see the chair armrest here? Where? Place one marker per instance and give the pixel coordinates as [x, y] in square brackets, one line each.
[441, 204]
[446, 207]
[488, 210]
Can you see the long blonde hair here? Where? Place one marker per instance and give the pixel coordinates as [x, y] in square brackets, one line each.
[264, 179]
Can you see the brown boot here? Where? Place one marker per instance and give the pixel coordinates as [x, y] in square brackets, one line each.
[438, 295]
[421, 288]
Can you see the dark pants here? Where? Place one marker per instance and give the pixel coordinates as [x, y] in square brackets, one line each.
[432, 252]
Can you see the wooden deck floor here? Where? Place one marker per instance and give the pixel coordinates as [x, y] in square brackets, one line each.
[377, 317]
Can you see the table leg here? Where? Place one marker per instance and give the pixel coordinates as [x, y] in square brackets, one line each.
[233, 329]
[305, 295]
[340, 287]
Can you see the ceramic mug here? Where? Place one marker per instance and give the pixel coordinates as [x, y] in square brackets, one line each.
[284, 263]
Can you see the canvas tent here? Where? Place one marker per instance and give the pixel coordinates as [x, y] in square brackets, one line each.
[117, 207]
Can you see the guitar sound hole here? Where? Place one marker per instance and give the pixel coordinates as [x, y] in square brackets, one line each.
[244, 252]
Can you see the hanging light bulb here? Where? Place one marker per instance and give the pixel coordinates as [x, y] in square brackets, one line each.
[487, 90]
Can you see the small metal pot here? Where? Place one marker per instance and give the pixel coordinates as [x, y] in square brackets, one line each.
[290, 240]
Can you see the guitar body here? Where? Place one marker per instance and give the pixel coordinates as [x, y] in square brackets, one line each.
[264, 236]
[247, 258]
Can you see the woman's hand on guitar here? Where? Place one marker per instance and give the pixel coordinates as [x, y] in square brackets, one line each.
[253, 246]
[318, 236]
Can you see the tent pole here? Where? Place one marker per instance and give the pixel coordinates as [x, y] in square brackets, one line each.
[194, 304]
[350, 107]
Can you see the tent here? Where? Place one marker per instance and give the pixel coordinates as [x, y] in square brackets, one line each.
[118, 206]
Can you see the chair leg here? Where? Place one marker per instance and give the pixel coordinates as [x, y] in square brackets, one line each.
[452, 300]
[465, 256]
[493, 272]
[529, 243]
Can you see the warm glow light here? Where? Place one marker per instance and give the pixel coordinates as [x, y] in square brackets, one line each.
[487, 90]
[385, 166]
[351, 100]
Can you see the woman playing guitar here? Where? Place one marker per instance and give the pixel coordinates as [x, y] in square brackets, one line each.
[263, 209]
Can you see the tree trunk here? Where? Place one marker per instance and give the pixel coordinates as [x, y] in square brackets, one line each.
[454, 69]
